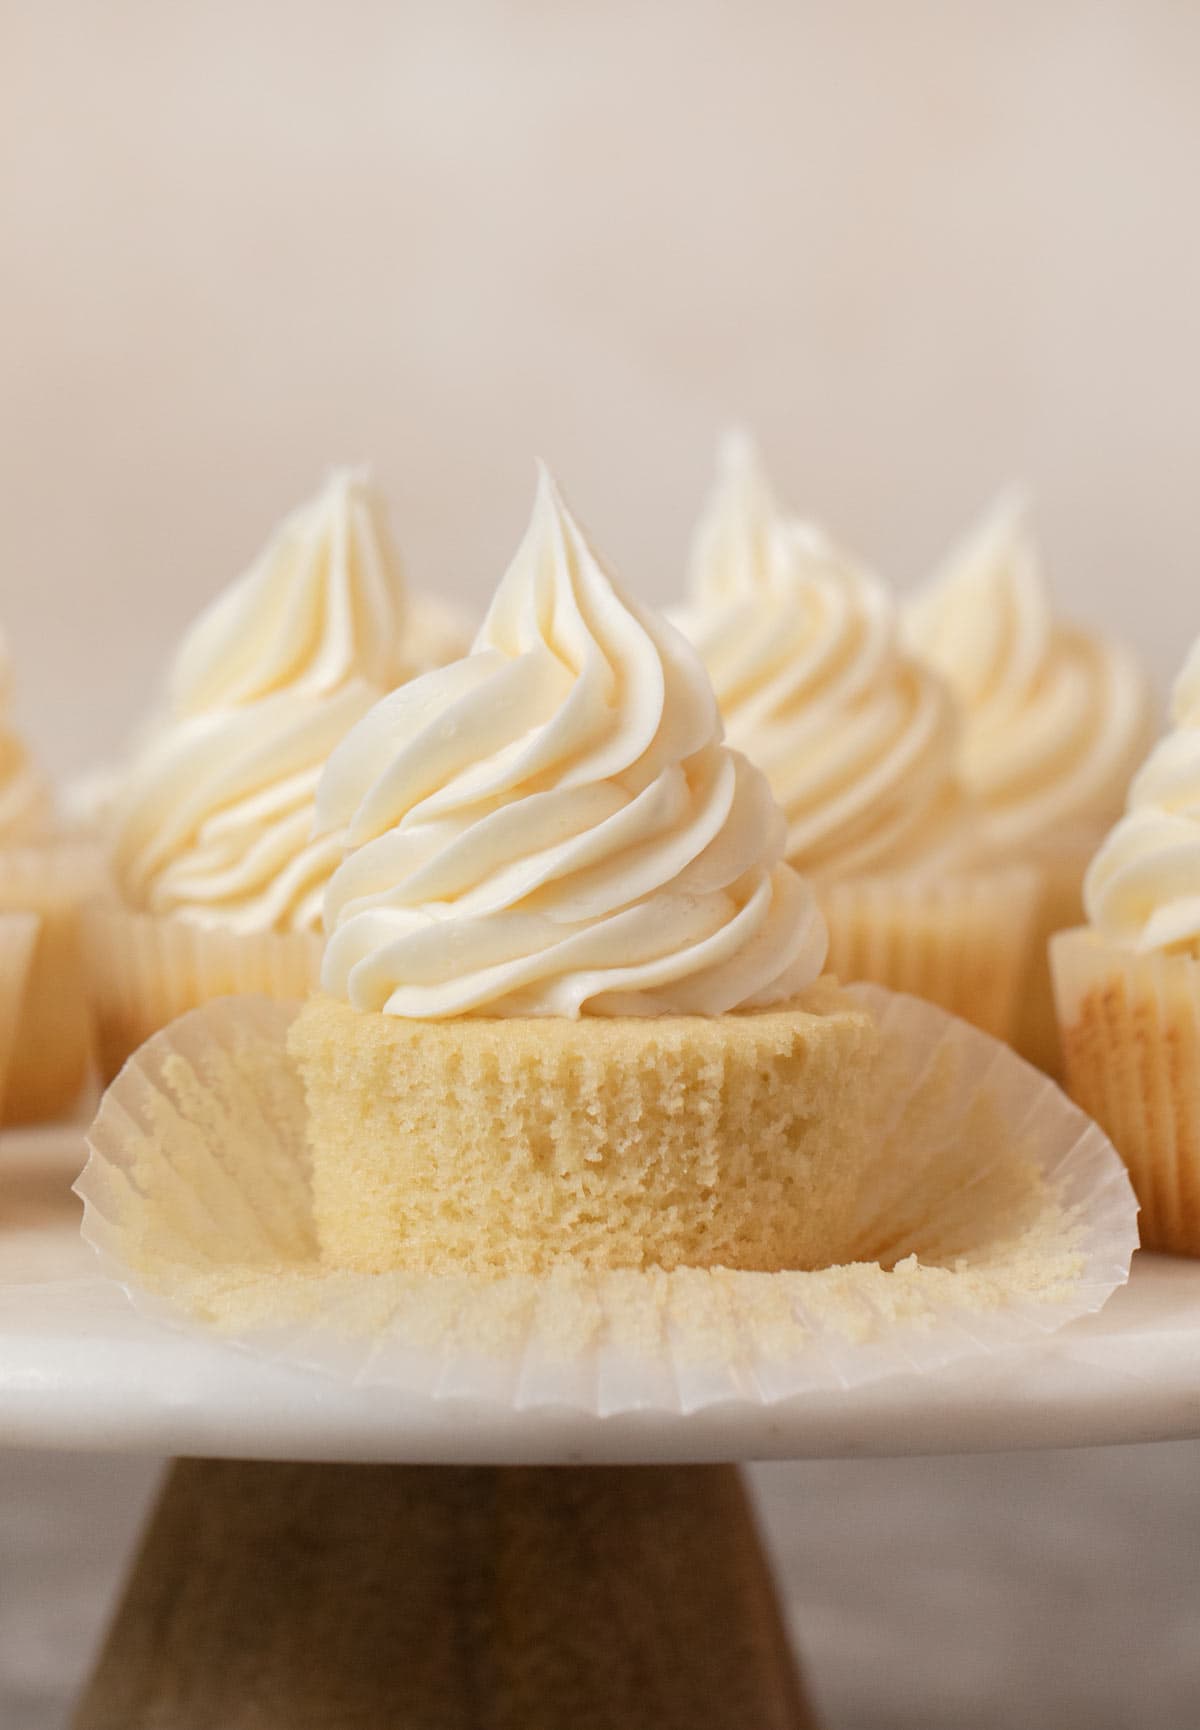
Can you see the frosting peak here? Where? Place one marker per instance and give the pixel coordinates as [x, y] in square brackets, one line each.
[856, 739]
[1054, 718]
[553, 826]
[323, 602]
[214, 820]
[1143, 887]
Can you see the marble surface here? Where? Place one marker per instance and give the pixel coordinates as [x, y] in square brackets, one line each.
[1041, 1589]
[1046, 1591]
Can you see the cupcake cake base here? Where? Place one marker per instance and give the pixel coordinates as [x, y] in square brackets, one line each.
[512, 1146]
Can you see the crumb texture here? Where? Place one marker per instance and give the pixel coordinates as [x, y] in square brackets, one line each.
[504, 1146]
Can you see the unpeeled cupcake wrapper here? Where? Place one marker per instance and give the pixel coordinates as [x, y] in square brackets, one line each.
[1130, 1026]
[959, 939]
[18, 940]
[145, 969]
[1062, 865]
[51, 1053]
[998, 1212]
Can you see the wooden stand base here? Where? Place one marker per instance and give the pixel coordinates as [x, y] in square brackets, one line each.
[325, 1597]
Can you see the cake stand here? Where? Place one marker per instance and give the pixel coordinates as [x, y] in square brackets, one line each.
[336, 1557]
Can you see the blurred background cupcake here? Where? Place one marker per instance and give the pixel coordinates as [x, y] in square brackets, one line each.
[1128, 984]
[44, 877]
[859, 742]
[218, 880]
[1055, 719]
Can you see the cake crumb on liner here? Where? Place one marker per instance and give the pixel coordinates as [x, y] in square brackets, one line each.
[997, 1212]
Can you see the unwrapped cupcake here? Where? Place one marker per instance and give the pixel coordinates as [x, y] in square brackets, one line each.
[1055, 719]
[859, 743]
[218, 876]
[44, 877]
[574, 1119]
[1128, 984]
[570, 1005]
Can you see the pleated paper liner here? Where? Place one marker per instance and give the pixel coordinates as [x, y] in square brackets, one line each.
[18, 941]
[51, 1054]
[997, 1212]
[1062, 867]
[1130, 1028]
[145, 969]
[959, 939]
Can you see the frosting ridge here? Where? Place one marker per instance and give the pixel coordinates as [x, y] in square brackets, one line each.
[856, 738]
[1054, 717]
[553, 826]
[1142, 889]
[26, 805]
[214, 819]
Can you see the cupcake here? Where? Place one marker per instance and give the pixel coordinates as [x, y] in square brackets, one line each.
[46, 876]
[570, 1006]
[1055, 719]
[1128, 984]
[859, 743]
[218, 877]
[18, 940]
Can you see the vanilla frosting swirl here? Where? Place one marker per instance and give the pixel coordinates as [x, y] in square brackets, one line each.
[324, 602]
[1142, 889]
[26, 806]
[1054, 718]
[214, 819]
[856, 739]
[553, 826]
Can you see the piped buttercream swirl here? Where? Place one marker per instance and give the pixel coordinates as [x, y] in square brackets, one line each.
[855, 737]
[553, 826]
[26, 805]
[1142, 889]
[214, 818]
[1054, 718]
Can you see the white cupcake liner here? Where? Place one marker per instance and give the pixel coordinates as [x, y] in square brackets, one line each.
[145, 969]
[1131, 1039]
[960, 939]
[50, 1059]
[18, 940]
[196, 1198]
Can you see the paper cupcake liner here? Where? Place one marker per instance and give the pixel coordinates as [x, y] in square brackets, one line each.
[18, 939]
[1131, 1042]
[144, 970]
[961, 941]
[1059, 908]
[998, 1211]
[51, 1054]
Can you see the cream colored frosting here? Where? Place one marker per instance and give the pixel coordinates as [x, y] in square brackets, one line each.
[323, 603]
[1055, 718]
[214, 818]
[856, 739]
[553, 826]
[26, 806]
[1143, 887]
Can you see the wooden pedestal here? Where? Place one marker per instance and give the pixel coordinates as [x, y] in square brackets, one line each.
[328, 1597]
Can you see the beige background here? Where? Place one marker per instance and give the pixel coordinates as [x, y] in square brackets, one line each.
[922, 248]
